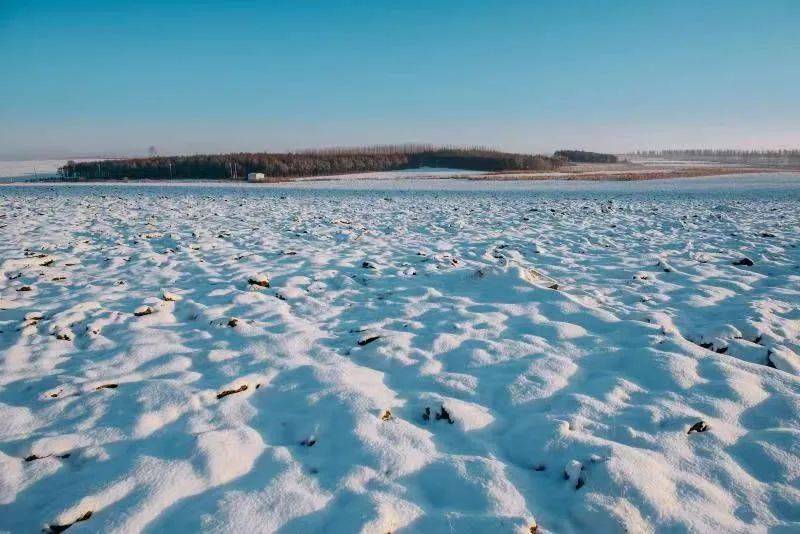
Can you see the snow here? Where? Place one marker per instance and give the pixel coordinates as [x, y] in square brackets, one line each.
[18, 170]
[564, 338]
[403, 174]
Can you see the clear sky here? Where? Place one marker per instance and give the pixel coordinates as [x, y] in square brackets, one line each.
[98, 77]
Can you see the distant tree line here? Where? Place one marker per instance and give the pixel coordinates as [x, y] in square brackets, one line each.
[406, 148]
[582, 156]
[307, 163]
[766, 157]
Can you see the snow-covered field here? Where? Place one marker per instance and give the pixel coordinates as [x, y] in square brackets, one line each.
[23, 170]
[436, 359]
[416, 173]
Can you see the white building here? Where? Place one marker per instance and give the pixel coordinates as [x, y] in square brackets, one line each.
[255, 177]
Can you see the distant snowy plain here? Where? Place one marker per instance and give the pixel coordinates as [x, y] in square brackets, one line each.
[573, 332]
[25, 170]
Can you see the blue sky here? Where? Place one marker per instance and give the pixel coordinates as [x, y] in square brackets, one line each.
[113, 77]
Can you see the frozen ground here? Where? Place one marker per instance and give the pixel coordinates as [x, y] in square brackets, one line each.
[572, 337]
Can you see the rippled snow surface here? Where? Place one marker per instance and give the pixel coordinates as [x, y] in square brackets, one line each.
[572, 332]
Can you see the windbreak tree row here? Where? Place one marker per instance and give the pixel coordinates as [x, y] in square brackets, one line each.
[308, 163]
